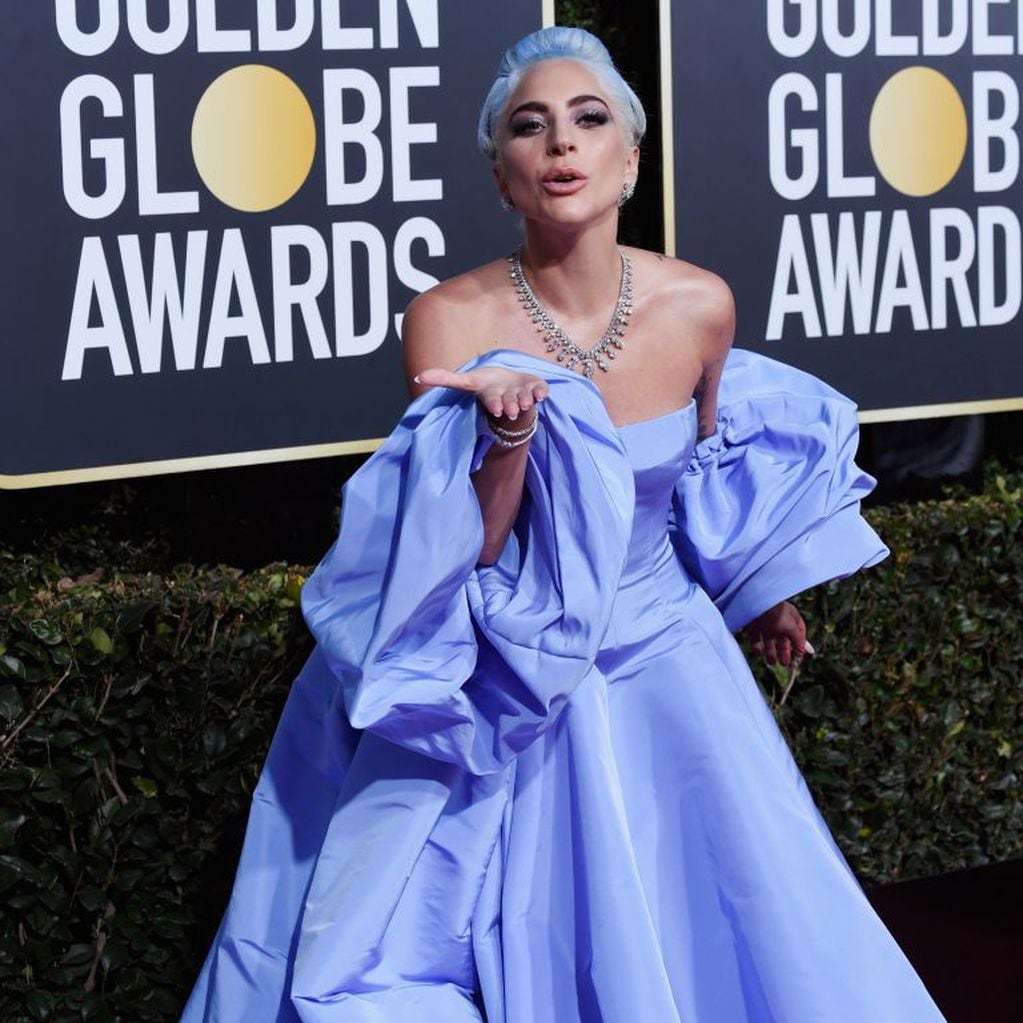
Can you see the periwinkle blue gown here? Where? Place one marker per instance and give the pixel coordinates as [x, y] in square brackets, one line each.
[551, 786]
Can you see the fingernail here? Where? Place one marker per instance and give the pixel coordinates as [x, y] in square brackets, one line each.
[808, 647]
[416, 378]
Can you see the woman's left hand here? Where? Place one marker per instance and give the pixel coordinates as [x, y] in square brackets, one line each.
[779, 634]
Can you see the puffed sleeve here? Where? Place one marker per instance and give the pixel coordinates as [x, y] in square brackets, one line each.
[461, 662]
[770, 503]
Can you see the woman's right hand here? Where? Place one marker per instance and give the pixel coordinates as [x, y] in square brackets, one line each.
[502, 392]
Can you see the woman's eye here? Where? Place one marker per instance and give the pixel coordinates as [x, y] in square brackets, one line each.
[589, 118]
[527, 126]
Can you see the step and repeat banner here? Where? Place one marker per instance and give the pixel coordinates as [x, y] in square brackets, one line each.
[214, 213]
[217, 210]
[852, 168]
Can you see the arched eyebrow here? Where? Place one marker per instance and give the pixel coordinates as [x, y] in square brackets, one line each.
[542, 108]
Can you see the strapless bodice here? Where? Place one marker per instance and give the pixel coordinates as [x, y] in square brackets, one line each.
[653, 590]
[659, 451]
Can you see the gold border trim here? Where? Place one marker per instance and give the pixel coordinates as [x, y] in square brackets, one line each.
[667, 129]
[174, 465]
[939, 411]
[296, 454]
[268, 456]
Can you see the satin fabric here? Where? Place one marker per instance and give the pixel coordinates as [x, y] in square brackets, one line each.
[550, 787]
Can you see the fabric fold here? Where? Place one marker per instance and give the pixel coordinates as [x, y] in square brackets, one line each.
[468, 663]
[459, 798]
[769, 506]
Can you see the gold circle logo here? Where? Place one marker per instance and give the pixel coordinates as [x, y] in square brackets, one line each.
[253, 138]
[918, 131]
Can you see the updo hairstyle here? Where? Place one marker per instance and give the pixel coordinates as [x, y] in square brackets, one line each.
[558, 44]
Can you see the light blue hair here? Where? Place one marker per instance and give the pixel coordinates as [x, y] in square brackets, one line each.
[559, 44]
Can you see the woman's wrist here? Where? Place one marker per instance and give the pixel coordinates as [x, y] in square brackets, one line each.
[511, 433]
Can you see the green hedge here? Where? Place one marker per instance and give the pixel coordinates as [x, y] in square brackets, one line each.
[136, 707]
[136, 710]
[909, 723]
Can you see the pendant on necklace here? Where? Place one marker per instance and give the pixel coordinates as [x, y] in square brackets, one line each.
[588, 359]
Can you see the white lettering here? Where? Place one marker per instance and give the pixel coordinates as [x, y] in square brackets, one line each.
[792, 261]
[345, 237]
[847, 275]
[291, 295]
[165, 41]
[210, 38]
[900, 261]
[94, 280]
[934, 43]
[87, 44]
[153, 202]
[792, 45]
[985, 44]
[424, 17]
[951, 270]
[233, 275]
[889, 44]
[270, 34]
[110, 151]
[988, 130]
[803, 140]
[338, 134]
[992, 219]
[840, 186]
[166, 303]
[853, 43]
[405, 134]
[413, 230]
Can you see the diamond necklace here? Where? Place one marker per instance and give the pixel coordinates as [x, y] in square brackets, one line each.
[557, 340]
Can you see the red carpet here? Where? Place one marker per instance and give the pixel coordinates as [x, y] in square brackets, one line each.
[964, 934]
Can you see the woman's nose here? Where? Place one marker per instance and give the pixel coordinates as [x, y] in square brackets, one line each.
[559, 143]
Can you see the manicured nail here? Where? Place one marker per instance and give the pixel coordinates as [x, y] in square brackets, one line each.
[416, 378]
[808, 647]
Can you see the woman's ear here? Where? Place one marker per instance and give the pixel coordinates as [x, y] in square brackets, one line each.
[502, 190]
[632, 164]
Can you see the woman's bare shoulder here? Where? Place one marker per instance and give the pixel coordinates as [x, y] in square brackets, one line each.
[684, 293]
[446, 325]
[676, 280]
[459, 298]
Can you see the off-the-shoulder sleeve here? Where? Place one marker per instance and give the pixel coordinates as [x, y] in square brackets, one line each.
[770, 503]
[468, 663]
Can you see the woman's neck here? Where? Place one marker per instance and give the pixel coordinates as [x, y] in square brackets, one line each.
[573, 273]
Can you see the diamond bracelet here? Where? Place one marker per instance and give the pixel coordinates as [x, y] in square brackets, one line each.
[513, 438]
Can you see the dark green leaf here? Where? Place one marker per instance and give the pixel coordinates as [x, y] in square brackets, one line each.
[40, 1003]
[49, 632]
[11, 704]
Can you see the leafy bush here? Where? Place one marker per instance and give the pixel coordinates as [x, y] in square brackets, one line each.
[138, 709]
[909, 723]
[135, 711]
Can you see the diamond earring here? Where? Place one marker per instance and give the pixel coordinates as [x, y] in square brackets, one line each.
[506, 204]
[628, 190]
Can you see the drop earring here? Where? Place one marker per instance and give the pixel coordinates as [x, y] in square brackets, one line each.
[628, 190]
[506, 204]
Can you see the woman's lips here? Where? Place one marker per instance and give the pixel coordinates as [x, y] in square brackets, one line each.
[565, 181]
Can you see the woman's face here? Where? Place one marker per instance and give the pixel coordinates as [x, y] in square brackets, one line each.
[562, 153]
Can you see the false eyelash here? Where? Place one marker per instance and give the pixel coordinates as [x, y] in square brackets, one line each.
[522, 127]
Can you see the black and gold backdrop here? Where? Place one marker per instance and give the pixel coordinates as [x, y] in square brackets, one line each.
[215, 211]
[852, 168]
